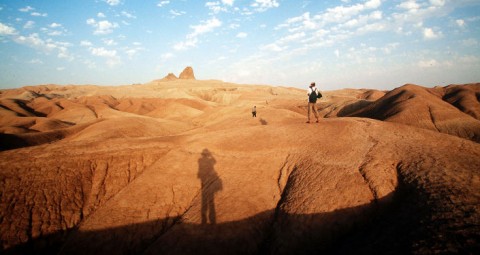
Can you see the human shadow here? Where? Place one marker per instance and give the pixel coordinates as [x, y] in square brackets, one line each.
[394, 224]
[263, 121]
[210, 184]
[402, 222]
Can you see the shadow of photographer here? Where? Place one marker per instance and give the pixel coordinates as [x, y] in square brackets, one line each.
[211, 184]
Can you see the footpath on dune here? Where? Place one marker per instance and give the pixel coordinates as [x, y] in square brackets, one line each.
[187, 170]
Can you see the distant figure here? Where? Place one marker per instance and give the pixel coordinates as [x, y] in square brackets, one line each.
[211, 184]
[313, 94]
[254, 111]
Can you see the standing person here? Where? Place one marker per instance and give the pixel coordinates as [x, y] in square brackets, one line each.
[254, 111]
[313, 94]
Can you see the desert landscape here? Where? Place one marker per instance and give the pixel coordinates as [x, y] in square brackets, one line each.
[180, 166]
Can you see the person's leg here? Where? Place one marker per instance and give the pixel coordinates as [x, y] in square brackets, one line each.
[309, 106]
[211, 210]
[204, 205]
[315, 112]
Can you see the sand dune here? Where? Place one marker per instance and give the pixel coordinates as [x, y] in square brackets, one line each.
[425, 108]
[179, 166]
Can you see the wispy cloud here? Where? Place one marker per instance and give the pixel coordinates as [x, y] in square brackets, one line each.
[7, 30]
[102, 27]
[26, 9]
[128, 15]
[46, 46]
[192, 38]
[112, 59]
[29, 25]
[176, 13]
[38, 14]
[112, 2]
[35, 61]
[242, 35]
[263, 5]
[429, 34]
[163, 3]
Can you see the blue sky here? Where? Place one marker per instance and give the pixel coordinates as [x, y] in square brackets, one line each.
[339, 44]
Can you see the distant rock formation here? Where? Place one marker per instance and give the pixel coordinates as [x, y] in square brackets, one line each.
[187, 74]
[170, 77]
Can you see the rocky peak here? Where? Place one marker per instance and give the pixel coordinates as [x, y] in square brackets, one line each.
[170, 77]
[187, 73]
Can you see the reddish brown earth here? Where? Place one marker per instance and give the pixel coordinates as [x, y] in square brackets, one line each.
[179, 166]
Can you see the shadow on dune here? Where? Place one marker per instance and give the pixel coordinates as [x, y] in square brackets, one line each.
[263, 121]
[399, 223]
[210, 184]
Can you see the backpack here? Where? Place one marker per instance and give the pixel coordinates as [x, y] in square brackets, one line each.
[312, 98]
[319, 95]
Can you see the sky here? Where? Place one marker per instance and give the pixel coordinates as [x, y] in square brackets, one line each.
[375, 44]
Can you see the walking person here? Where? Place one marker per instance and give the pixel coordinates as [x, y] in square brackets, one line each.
[254, 111]
[313, 95]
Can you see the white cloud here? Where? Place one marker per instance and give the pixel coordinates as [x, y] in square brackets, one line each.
[7, 30]
[90, 64]
[337, 53]
[112, 59]
[176, 13]
[37, 14]
[132, 51]
[228, 2]
[61, 68]
[91, 21]
[187, 44]
[102, 52]
[293, 37]
[192, 38]
[30, 24]
[263, 5]
[112, 2]
[32, 40]
[215, 7]
[55, 33]
[242, 35]
[163, 3]
[409, 5]
[105, 27]
[102, 27]
[26, 9]
[128, 15]
[109, 42]
[35, 61]
[429, 33]
[205, 27]
[460, 23]
[438, 3]
[85, 43]
[47, 46]
[166, 56]
[373, 4]
[272, 47]
[101, 15]
[55, 25]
